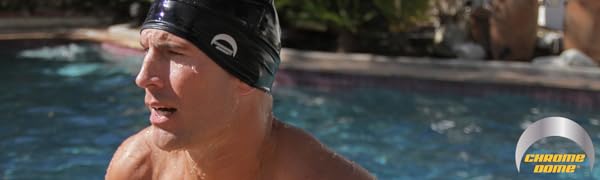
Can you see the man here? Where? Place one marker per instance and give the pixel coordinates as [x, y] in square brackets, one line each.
[207, 74]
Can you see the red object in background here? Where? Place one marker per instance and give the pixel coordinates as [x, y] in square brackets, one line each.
[582, 27]
[513, 28]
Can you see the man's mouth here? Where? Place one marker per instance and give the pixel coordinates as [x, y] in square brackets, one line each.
[164, 111]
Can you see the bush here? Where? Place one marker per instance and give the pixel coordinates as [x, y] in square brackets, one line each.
[342, 25]
[115, 8]
[347, 18]
[402, 15]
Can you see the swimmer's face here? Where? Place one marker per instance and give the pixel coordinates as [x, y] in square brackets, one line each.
[189, 96]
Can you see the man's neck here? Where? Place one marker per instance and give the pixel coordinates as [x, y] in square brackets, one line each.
[239, 150]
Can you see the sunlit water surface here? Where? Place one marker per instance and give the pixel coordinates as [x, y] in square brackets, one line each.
[66, 108]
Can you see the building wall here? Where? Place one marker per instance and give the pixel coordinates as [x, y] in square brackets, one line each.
[552, 14]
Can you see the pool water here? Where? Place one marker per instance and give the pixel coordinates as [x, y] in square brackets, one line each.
[66, 108]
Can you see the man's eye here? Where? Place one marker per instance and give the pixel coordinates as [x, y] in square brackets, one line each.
[175, 53]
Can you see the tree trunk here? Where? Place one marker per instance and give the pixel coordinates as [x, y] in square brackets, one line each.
[345, 41]
[582, 27]
[513, 28]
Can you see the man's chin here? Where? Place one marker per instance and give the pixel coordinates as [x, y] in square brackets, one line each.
[166, 140]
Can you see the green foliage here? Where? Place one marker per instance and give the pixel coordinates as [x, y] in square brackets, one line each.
[321, 14]
[352, 15]
[87, 6]
[402, 14]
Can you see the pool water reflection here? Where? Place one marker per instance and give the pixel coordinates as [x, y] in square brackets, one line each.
[62, 118]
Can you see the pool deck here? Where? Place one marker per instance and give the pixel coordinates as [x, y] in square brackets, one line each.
[448, 70]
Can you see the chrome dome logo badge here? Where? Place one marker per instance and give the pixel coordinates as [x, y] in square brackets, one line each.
[225, 43]
[554, 163]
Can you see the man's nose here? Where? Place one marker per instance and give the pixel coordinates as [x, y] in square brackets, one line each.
[150, 72]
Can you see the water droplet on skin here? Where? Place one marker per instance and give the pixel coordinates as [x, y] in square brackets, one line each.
[179, 65]
[154, 79]
[176, 68]
[354, 168]
[194, 69]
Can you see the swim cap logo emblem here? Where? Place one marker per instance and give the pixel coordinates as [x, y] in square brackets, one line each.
[225, 43]
[549, 127]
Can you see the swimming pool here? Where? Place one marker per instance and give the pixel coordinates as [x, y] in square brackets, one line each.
[66, 107]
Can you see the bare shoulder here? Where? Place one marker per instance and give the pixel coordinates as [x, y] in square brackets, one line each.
[132, 159]
[302, 156]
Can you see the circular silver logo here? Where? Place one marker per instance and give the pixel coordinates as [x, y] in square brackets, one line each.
[225, 43]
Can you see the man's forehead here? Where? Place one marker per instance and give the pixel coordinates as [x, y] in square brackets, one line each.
[155, 36]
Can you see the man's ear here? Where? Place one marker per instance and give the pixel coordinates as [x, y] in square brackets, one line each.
[244, 89]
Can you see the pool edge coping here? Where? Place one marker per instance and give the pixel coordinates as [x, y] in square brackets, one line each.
[454, 70]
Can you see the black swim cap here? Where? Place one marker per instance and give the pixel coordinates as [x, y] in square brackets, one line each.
[241, 36]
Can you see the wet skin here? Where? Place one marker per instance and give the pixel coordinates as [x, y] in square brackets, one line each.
[207, 124]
